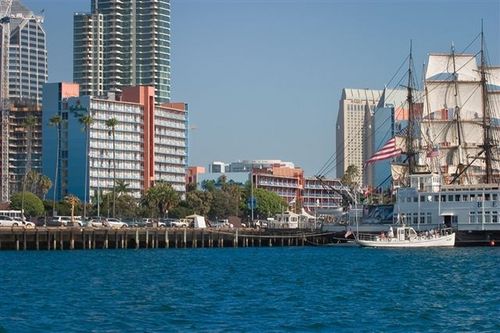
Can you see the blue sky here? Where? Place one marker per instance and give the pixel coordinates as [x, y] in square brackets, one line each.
[263, 78]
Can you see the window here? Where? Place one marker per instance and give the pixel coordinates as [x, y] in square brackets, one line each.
[472, 217]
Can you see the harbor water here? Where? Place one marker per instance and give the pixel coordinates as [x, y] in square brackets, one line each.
[291, 289]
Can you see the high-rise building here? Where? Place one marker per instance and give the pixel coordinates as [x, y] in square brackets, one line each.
[88, 51]
[25, 142]
[25, 73]
[27, 53]
[351, 125]
[123, 43]
[149, 142]
[388, 118]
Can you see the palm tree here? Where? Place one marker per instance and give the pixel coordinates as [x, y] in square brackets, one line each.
[73, 201]
[86, 120]
[55, 121]
[29, 124]
[162, 196]
[44, 184]
[111, 123]
[121, 187]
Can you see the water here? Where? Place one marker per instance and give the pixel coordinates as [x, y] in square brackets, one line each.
[342, 289]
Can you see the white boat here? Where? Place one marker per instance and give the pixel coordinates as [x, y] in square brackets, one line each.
[407, 237]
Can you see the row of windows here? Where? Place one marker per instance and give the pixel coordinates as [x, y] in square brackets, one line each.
[452, 198]
[416, 218]
[487, 217]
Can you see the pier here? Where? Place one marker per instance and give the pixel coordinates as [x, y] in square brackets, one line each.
[64, 238]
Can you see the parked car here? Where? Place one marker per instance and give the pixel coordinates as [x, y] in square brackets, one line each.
[65, 221]
[95, 222]
[182, 223]
[26, 224]
[7, 221]
[114, 223]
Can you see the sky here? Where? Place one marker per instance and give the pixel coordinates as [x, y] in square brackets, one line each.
[263, 78]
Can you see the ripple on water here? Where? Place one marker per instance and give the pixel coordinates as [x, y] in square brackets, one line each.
[267, 289]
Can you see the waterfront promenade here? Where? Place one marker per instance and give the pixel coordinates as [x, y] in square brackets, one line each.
[72, 238]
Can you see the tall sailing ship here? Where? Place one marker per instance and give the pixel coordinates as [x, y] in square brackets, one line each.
[451, 172]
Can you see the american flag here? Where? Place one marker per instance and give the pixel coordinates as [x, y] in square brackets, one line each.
[433, 152]
[387, 151]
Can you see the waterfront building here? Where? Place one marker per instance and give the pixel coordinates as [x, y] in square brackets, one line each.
[150, 141]
[350, 130]
[286, 182]
[280, 177]
[123, 43]
[318, 198]
[26, 73]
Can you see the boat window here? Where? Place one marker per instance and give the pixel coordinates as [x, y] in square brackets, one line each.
[472, 197]
[487, 196]
[457, 197]
[465, 197]
[436, 198]
[415, 199]
[472, 217]
[443, 198]
[487, 217]
[494, 217]
[450, 198]
[495, 196]
[429, 218]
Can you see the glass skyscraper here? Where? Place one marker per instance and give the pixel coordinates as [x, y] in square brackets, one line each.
[123, 43]
[27, 54]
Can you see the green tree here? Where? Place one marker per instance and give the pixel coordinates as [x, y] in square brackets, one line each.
[182, 210]
[73, 201]
[351, 176]
[111, 123]
[208, 185]
[191, 187]
[44, 185]
[86, 120]
[268, 203]
[38, 184]
[121, 187]
[55, 121]
[162, 196]
[199, 201]
[33, 205]
[29, 125]
[220, 207]
[126, 206]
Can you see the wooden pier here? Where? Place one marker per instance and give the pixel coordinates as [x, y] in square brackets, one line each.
[64, 238]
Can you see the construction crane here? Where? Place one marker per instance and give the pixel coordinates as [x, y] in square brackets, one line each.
[4, 97]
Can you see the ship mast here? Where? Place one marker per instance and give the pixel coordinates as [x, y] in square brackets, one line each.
[487, 144]
[411, 117]
[457, 114]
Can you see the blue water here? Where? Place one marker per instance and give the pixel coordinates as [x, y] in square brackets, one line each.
[341, 289]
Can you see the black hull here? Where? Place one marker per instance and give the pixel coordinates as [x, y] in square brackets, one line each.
[478, 238]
